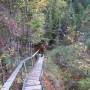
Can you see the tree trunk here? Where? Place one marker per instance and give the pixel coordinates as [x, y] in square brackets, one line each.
[4, 71]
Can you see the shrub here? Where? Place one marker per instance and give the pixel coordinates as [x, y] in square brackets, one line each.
[84, 84]
[88, 43]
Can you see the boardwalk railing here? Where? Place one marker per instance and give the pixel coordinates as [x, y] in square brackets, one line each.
[7, 85]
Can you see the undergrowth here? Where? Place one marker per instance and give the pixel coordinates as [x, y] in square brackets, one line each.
[72, 55]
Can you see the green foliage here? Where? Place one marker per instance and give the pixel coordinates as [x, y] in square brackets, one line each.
[68, 52]
[74, 14]
[7, 60]
[84, 84]
[85, 26]
[0, 84]
[66, 77]
[88, 43]
[31, 14]
[38, 21]
[1, 53]
[50, 65]
[20, 4]
[54, 14]
[48, 16]
[38, 5]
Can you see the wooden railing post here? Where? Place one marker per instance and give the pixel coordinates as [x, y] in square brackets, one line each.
[25, 67]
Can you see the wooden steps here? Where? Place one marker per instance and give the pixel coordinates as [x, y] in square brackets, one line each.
[38, 87]
[32, 80]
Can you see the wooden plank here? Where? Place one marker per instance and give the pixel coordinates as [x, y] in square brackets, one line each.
[37, 87]
[32, 82]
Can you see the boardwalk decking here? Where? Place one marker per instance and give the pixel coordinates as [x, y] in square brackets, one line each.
[32, 80]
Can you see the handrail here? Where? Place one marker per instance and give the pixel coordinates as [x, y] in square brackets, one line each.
[11, 79]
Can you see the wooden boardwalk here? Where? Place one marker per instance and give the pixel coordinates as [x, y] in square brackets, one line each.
[33, 79]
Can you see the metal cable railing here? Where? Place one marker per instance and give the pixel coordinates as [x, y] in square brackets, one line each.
[7, 85]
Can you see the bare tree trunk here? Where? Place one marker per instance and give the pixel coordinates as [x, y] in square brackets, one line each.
[4, 71]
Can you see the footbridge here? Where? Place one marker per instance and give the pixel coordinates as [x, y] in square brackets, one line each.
[32, 80]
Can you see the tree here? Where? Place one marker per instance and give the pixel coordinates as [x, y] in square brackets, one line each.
[54, 14]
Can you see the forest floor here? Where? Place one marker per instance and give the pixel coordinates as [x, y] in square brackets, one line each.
[48, 84]
[52, 85]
